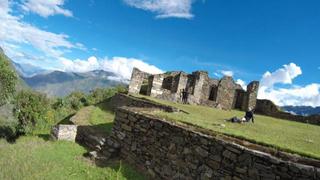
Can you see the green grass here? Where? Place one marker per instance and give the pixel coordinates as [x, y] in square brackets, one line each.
[294, 137]
[34, 158]
[99, 116]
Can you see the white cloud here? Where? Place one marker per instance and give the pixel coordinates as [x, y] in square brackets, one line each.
[227, 73]
[165, 8]
[46, 8]
[121, 66]
[308, 95]
[242, 83]
[13, 30]
[283, 75]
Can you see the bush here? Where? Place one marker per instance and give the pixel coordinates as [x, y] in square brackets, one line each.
[31, 110]
[77, 100]
[100, 94]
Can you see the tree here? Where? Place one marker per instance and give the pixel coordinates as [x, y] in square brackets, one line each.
[8, 79]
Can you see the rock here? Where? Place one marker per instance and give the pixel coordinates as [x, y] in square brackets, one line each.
[230, 155]
[202, 152]
[126, 127]
[64, 132]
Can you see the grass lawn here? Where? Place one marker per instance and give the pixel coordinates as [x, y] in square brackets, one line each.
[294, 137]
[99, 116]
[35, 158]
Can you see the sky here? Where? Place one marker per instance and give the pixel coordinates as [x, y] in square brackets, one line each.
[275, 42]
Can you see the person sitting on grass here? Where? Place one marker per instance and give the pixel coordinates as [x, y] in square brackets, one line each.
[247, 118]
[249, 115]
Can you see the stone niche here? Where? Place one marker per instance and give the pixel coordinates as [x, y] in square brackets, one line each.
[64, 132]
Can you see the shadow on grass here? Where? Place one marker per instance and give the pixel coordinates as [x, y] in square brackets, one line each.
[66, 120]
[127, 170]
[9, 134]
[45, 137]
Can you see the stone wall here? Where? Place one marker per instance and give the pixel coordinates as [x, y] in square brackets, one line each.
[201, 77]
[226, 92]
[166, 150]
[250, 98]
[155, 86]
[267, 107]
[137, 79]
[183, 80]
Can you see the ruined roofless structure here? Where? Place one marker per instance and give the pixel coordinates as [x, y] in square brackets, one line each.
[202, 90]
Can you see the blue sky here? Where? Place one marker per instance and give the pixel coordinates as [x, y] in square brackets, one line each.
[246, 39]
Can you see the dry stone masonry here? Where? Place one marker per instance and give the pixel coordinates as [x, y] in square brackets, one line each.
[202, 90]
[64, 132]
[171, 151]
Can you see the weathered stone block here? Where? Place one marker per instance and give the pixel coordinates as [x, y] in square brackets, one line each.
[230, 155]
[64, 132]
[202, 152]
[126, 127]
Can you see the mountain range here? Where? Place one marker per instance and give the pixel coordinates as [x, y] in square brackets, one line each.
[58, 83]
[301, 110]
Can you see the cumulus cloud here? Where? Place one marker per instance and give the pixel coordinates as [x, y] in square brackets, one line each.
[164, 8]
[283, 75]
[121, 66]
[46, 8]
[308, 95]
[242, 83]
[13, 30]
[227, 73]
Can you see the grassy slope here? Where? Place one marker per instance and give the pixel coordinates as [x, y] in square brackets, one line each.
[61, 160]
[99, 116]
[286, 135]
[35, 158]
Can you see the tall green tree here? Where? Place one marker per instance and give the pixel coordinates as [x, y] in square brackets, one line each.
[8, 79]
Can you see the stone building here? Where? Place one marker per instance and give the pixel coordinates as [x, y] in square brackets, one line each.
[222, 93]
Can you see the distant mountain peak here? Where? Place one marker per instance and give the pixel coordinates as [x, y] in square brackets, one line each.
[28, 70]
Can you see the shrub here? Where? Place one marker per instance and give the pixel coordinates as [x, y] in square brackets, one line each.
[30, 109]
[76, 100]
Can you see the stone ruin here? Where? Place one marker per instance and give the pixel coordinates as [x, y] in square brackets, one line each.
[220, 93]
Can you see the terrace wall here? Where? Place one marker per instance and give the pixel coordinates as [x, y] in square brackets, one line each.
[267, 107]
[171, 151]
[120, 100]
